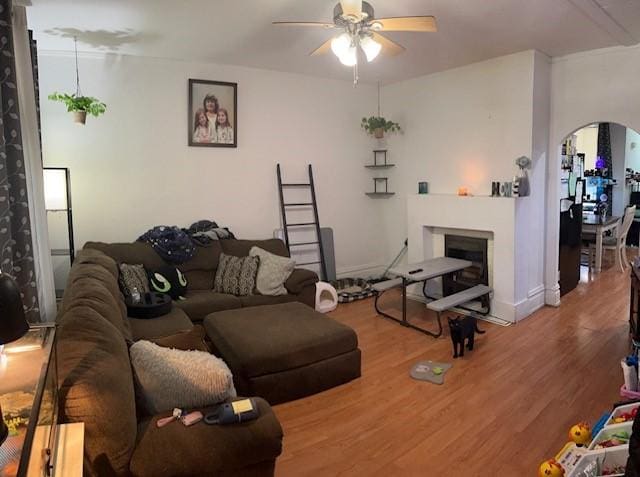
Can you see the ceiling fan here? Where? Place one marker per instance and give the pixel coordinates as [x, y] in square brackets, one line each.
[360, 28]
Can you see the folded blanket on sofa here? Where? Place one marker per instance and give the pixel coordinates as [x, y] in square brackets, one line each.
[204, 232]
[171, 243]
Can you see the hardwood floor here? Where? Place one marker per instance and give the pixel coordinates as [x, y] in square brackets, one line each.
[503, 408]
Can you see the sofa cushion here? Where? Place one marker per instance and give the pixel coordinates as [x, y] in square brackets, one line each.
[167, 378]
[205, 450]
[135, 252]
[96, 387]
[175, 321]
[272, 272]
[200, 270]
[299, 279]
[93, 282]
[236, 275]
[297, 336]
[205, 258]
[192, 340]
[260, 300]
[240, 248]
[199, 303]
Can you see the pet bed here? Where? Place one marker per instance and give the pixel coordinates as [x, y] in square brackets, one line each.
[352, 289]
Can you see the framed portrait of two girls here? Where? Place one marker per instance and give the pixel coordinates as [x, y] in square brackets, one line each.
[213, 113]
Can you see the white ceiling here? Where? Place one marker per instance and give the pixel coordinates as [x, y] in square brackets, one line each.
[239, 32]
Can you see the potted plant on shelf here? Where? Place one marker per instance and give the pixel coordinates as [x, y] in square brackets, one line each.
[80, 105]
[377, 125]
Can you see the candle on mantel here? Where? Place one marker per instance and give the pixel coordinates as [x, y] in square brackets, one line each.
[463, 191]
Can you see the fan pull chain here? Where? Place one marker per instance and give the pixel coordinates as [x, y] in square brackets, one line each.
[78, 92]
[355, 75]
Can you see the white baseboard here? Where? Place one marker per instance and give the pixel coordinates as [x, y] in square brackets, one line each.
[552, 295]
[534, 301]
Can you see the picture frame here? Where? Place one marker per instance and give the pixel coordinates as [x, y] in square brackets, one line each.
[213, 114]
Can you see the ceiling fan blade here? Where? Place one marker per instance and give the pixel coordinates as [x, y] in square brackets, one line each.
[322, 49]
[426, 24]
[351, 8]
[388, 46]
[309, 24]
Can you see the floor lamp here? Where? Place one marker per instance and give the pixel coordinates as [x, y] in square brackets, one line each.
[57, 198]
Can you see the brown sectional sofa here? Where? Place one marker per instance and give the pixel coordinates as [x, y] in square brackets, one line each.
[200, 272]
[279, 352]
[97, 387]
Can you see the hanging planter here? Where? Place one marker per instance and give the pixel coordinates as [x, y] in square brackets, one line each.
[76, 103]
[80, 117]
[378, 125]
[80, 106]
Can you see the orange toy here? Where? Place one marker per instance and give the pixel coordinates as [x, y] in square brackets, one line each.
[580, 434]
[550, 468]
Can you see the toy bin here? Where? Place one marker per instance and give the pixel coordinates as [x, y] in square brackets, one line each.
[611, 432]
[620, 410]
[613, 457]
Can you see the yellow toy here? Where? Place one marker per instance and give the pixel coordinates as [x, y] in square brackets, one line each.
[580, 434]
[550, 468]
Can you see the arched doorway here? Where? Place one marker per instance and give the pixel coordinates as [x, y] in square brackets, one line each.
[597, 175]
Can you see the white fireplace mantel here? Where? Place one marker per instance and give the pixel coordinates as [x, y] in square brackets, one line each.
[493, 215]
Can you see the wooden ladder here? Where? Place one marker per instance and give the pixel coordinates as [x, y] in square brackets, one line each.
[284, 206]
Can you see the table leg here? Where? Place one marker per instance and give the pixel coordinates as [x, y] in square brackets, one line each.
[404, 299]
[598, 249]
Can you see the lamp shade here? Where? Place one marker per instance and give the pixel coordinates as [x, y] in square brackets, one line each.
[55, 189]
[13, 324]
[370, 47]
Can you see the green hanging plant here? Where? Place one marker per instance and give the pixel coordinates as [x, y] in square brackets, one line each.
[377, 125]
[75, 103]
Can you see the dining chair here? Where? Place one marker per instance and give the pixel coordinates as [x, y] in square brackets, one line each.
[617, 243]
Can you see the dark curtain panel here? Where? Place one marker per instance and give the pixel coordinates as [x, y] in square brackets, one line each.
[16, 245]
[36, 81]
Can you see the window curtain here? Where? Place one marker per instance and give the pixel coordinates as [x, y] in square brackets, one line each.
[604, 154]
[23, 233]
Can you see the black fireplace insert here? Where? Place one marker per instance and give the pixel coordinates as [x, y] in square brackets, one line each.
[466, 248]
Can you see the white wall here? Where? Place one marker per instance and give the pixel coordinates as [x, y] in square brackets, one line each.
[633, 150]
[587, 144]
[466, 127]
[132, 169]
[596, 86]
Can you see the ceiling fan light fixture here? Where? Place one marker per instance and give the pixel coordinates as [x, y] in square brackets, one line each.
[341, 44]
[349, 57]
[370, 47]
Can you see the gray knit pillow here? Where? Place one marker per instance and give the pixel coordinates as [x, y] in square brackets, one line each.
[166, 378]
[272, 272]
[236, 275]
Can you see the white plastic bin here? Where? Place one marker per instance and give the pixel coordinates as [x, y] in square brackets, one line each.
[621, 410]
[610, 457]
[608, 432]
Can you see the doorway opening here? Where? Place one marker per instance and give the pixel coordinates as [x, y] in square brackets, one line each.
[599, 191]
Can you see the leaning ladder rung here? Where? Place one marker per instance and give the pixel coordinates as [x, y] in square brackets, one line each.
[296, 184]
[301, 224]
[298, 204]
[309, 263]
[302, 243]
